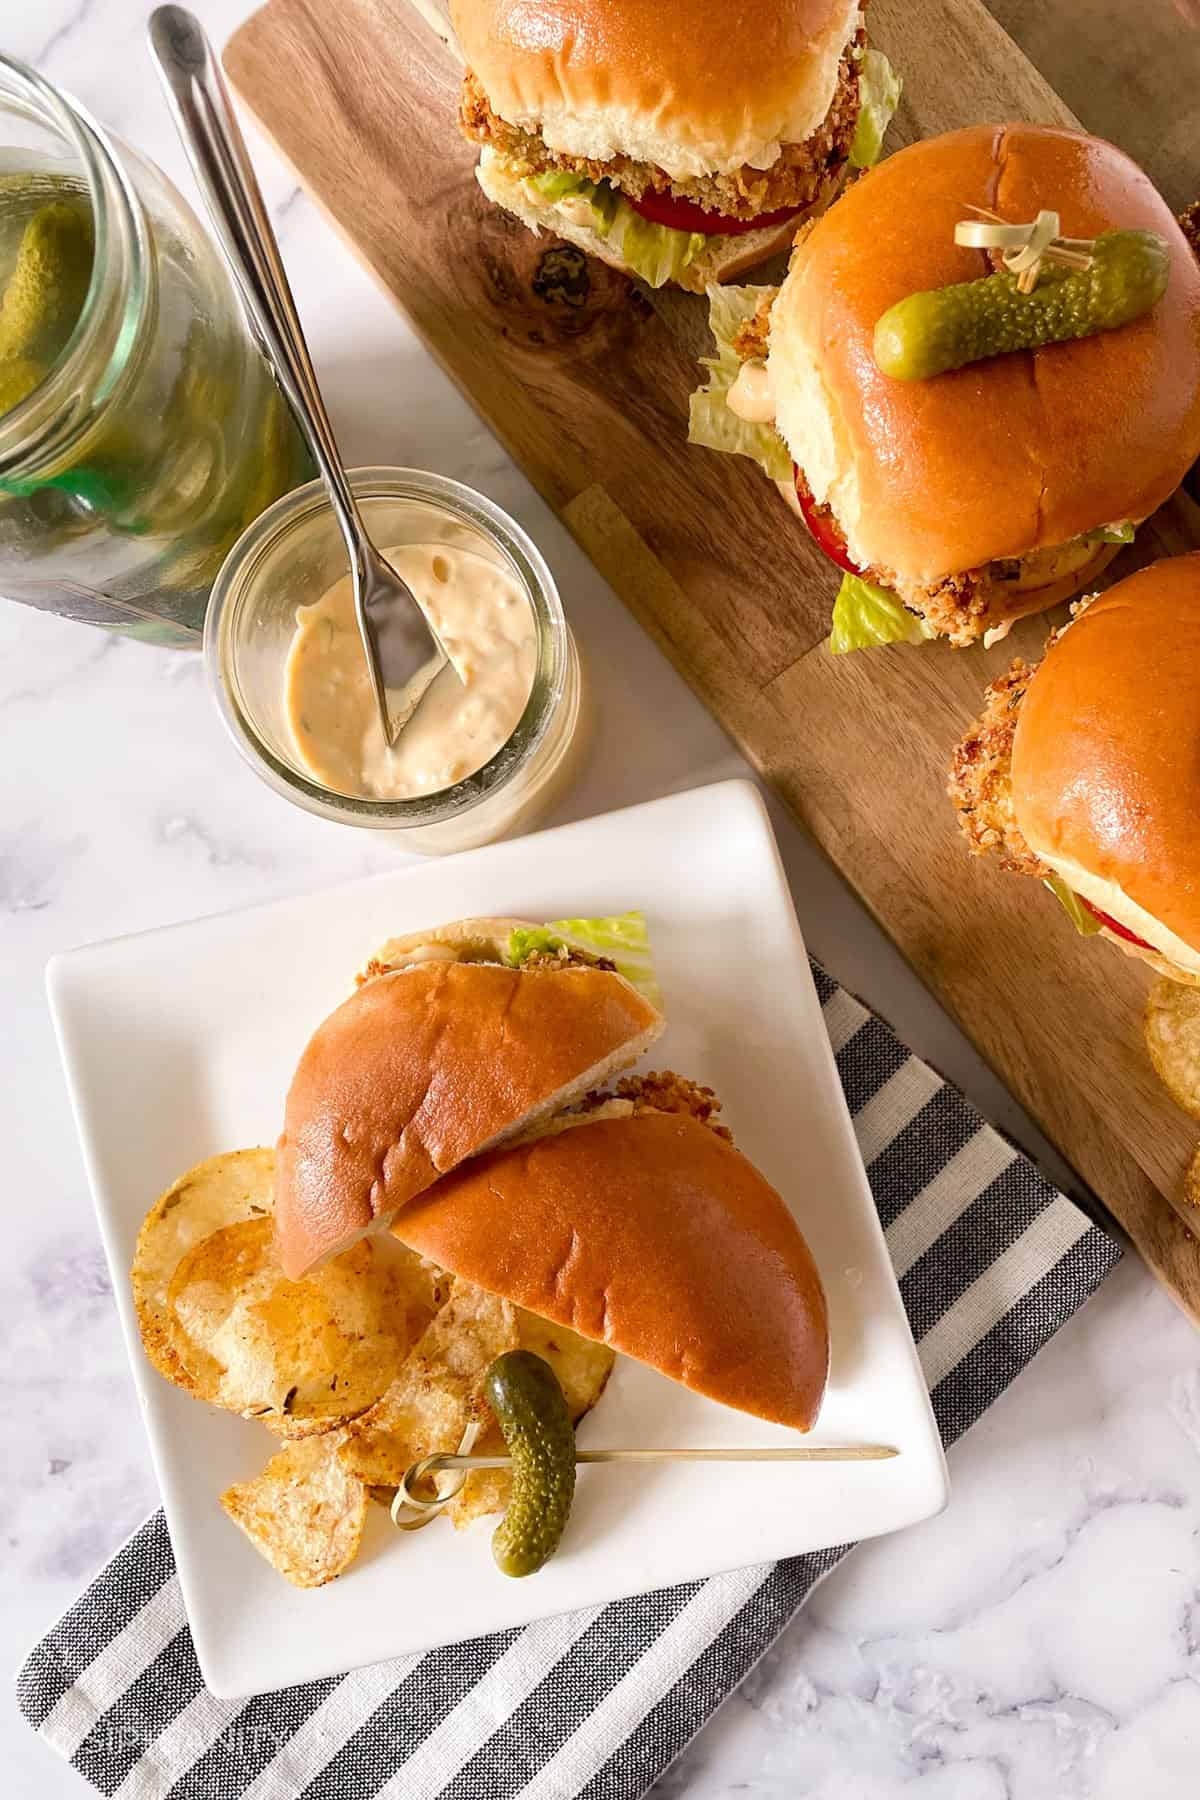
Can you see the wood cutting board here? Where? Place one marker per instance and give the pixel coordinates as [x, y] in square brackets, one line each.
[585, 378]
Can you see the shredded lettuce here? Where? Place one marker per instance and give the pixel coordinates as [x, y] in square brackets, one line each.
[710, 421]
[878, 97]
[655, 252]
[1122, 533]
[866, 616]
[623, 939]
[1085, 923]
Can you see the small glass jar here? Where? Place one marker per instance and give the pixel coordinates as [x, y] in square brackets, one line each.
[135, 452]
[291, 556]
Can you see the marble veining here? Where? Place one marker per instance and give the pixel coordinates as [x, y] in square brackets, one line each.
[1039, 1641]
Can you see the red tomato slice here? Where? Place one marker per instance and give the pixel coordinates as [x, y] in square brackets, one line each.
[684, 215]
[822, 529]
[1121, 931]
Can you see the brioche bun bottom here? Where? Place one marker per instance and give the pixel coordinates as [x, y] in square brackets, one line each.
[1160, 964]
[724, 258]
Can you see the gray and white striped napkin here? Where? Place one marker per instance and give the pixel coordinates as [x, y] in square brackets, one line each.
[595, 1705]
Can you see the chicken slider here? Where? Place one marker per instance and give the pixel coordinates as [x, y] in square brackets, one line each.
[635, 1222]
[956, 503]
[458, 1039]
[675, 139]
[1084, 771]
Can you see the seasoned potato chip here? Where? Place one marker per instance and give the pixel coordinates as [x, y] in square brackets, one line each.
[302, 1355]
[224, 1190]
[1191, 1180]
[436, 1393]
[1172, 1027]
[305, 1512]
[582, 1367]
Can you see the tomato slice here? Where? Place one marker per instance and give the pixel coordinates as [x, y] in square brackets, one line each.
[1119, 930]
[685, 215]
[822, 529]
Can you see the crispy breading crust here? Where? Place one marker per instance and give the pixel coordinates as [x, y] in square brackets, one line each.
[662, 1090]
[1189, 220]
[566, 957]
[753, 339]
[796, 178]
[980, 783]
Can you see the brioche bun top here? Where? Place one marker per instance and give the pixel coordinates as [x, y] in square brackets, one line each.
[651, 1234]
[1012, 454]
[694, 87]
[1106, 757]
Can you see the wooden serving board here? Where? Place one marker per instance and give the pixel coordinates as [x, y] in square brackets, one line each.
[586, 380]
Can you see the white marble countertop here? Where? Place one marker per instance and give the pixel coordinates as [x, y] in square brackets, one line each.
[1040, 1641]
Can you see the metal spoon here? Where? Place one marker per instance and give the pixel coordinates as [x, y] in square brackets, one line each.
[402, 650]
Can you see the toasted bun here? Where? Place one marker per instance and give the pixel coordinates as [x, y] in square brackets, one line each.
[464, 940]
[653, 1235]
[1106, 759]
[932, 478]
[723, 259]
[1005, 610]
[678, 83]
[430, 1064]
[1161, 964]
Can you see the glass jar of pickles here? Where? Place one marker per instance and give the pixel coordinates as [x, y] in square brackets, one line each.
[140, 429]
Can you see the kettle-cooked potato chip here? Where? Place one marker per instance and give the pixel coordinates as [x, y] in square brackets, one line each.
[1172, 1028]
[301, 1355]
[437, 1392]
[1191, 1180]
[224, 1190]
[583, 1368]
[305, 1512]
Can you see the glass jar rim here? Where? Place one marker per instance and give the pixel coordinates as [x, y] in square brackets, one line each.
[119, 289]
[462, 504]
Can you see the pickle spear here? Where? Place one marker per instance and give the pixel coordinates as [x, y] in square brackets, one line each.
[45, 293]
[939, 329]
[524, 1393]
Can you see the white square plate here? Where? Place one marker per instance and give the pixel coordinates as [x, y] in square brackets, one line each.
[181, 1042]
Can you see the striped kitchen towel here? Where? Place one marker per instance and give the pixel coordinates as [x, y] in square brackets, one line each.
[991, 1261]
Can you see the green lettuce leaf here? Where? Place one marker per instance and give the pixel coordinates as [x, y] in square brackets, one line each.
[1122, 533]
[623, 939]
[866, 616]
[655, 252]
[556, 184]
[878, 97]
[1085, 923]
[710, 421]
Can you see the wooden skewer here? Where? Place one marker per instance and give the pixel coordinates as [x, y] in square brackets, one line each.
[433, 1465]
[1013, 243]
[407, 1503]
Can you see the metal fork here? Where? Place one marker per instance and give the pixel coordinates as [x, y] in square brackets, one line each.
[402, 650]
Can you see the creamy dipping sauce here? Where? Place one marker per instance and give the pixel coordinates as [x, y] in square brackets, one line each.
[750, 395]
[485, 622]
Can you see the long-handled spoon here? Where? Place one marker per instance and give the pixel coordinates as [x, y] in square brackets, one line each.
[402, 651]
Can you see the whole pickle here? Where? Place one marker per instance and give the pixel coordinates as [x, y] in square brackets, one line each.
[524, 1393]
[46, 290]
[944, 328]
